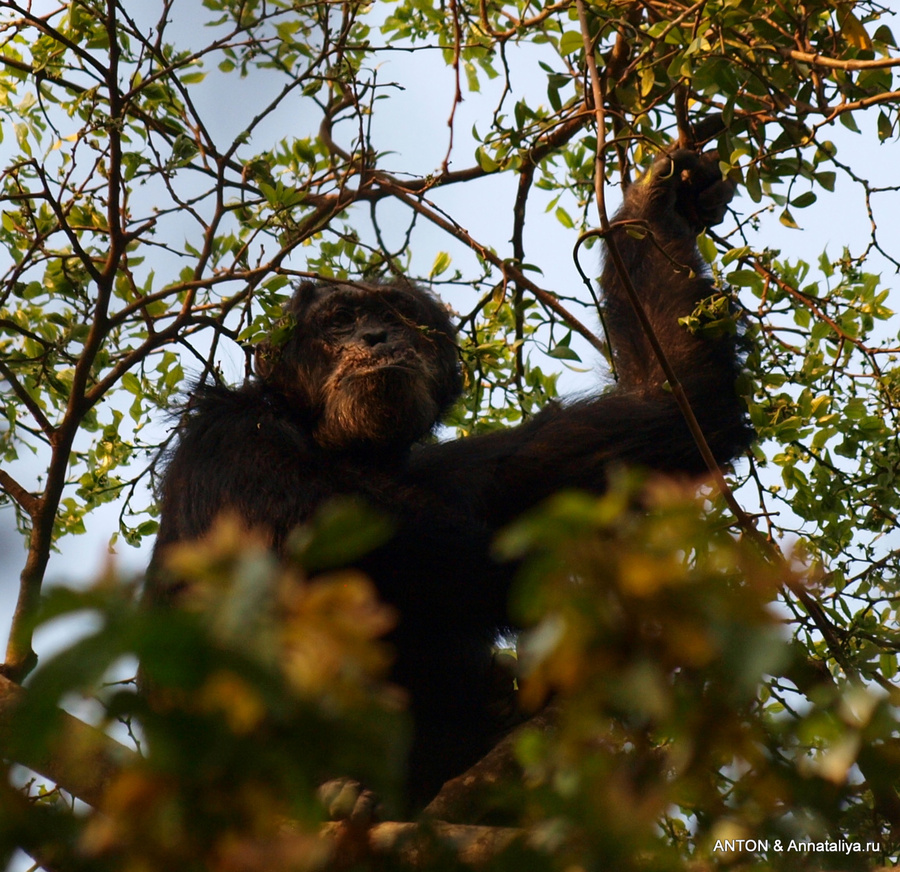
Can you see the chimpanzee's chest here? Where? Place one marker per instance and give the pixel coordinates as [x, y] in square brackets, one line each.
[437, 562]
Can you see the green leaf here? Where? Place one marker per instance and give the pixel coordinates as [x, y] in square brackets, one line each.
[744, 278]
[440, 265]
[852, 29]
[132, 383]
[564, 218]
[849, 121]
[563, 352]
[707, 248]
[885, 35]
[341, 532]
[571, 42]
[754, 186]
[804, 200]
[734, 254]
[826, 180]
[485, 160]
[22, 137]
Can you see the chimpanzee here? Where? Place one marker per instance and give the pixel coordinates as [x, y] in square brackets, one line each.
[341, 408]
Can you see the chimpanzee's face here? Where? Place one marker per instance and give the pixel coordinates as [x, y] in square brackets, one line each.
[377, 364]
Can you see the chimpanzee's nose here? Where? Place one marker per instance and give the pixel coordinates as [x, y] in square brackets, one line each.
[374, 337]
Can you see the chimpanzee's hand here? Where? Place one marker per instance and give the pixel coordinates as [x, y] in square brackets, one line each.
[347, 800]
[691, 185]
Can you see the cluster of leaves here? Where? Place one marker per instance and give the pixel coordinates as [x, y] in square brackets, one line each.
[263, 687]
[669, 742]
[654, 633]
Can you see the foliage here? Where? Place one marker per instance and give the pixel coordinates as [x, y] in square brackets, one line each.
[667, 735]
[263, 688]
[162, 184]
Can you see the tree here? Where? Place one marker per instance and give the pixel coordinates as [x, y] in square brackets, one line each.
[165, 185]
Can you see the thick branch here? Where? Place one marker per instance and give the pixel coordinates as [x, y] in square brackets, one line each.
[28, 501]
[82, 760]
[464, 797]
[818, 60]
[414, 844]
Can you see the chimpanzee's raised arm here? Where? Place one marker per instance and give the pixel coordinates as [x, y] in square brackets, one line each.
[637, 422]
[682, 194]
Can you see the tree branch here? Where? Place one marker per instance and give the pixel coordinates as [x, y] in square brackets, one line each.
[27, 500]
[818, 60]
[82, 760]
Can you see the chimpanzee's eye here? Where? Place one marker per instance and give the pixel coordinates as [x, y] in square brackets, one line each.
[341, 319]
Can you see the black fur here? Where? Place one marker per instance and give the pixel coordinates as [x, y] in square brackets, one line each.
[367, 371]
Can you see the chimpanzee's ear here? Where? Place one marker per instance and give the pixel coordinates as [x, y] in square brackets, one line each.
[268, 353]
[265, 359]
[304, 294]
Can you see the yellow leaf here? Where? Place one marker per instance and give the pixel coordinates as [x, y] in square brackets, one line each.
[853, 31]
